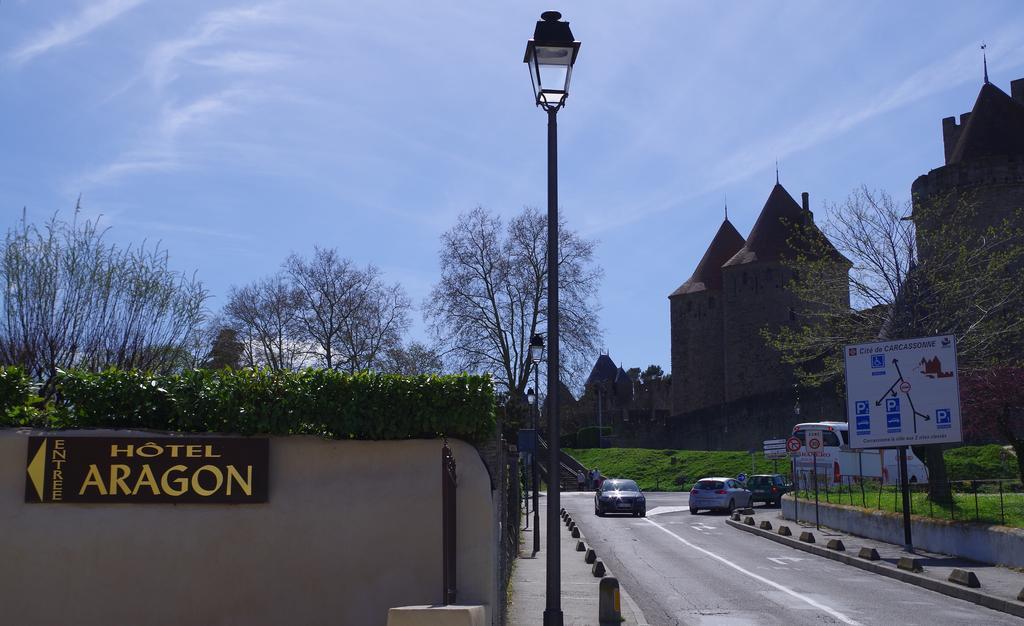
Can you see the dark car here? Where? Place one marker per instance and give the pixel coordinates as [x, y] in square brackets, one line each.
[619, 495]
[768, 488]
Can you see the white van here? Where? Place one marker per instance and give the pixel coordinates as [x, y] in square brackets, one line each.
[837, 460]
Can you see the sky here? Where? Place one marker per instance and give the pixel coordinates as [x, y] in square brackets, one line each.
[236, 133]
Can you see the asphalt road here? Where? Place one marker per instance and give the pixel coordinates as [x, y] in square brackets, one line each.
[686, 569]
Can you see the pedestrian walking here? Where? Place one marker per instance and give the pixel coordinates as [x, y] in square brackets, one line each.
[581, 480]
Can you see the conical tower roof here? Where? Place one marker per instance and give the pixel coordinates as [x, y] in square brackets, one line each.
[995, 127]
[604, 370]
[780, 219]
[622, 376]
[708, 275]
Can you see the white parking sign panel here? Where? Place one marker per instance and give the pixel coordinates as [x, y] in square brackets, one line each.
[904, 392]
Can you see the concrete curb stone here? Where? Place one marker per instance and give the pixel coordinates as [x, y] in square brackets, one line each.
[950, 589]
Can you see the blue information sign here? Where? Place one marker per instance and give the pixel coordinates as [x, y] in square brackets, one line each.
[893, 420]
[527, 442]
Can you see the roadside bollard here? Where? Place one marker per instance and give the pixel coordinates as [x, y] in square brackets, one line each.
[575, 532]
[580, 546]
[589, 556]
[964, 577]
[609, 611]
[910, 564]
[598, 569]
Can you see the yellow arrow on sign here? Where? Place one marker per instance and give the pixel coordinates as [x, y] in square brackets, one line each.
[37, 468]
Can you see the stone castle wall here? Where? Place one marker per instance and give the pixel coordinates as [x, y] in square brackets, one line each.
[755, 298]
[697, 356]
[739, 425]
[993, 185]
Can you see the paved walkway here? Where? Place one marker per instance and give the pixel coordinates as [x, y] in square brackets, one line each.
[996, 581]
[579, 597]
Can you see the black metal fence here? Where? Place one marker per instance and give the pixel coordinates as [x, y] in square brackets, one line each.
[510, 504]
[992, 501]
[449, 483]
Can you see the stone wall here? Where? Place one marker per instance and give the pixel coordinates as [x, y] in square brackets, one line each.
[994, 186]
[986, 543]
[351, 528]
[697, 354]
[755, 298]
[739, 425]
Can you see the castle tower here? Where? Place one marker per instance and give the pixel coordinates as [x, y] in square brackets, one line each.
[756, 294]
[697, 331]
[984, 167]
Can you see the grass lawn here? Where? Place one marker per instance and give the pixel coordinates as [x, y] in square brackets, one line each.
[987, 506]
[671, 470]
[676, 470]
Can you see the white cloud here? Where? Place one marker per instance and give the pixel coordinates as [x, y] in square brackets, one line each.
[162, 60]
[817, 127]
[126, 165]
[175, 120]
[62, 33]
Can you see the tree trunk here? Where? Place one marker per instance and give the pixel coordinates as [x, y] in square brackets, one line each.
[938, 477]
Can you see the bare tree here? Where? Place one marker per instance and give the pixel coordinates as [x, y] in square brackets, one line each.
[322, 311]
[266, 315]
[413, 359]
[492, 297]
[71, 300]
[379, 321]
[332, 291]
[968, 286]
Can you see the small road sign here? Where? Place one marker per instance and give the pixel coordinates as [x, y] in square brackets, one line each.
[905, 387]
[775, 448]
[793, 445]
[742, 478]
[814, 442]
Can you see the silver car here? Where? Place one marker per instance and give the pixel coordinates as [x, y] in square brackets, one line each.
[718, 494]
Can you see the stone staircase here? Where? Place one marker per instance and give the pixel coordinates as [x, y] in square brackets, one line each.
[567, 467]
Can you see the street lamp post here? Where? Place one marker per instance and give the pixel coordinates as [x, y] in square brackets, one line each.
[550, 56]
[536, 355]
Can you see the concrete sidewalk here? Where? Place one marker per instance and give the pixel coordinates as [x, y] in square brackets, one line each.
[999, 588]
[579, 597]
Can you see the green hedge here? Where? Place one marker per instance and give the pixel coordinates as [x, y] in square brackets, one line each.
[319, 402]
[16, 397]
[584, 438]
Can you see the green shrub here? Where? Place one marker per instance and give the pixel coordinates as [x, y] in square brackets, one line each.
[980, 462]
[588, 437]
[319, 402]
[18, 402]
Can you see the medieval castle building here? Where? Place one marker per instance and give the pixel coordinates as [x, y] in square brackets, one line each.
[740, 287]
[723, 371]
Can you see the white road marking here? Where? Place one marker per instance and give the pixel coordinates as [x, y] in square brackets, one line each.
[702, 527]
[781, 560]
[661, 510]
[836, 614]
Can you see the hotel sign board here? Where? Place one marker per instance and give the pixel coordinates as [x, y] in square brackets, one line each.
[145, 470]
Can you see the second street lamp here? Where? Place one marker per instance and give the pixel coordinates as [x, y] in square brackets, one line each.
[551, 55]
[536, 355]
